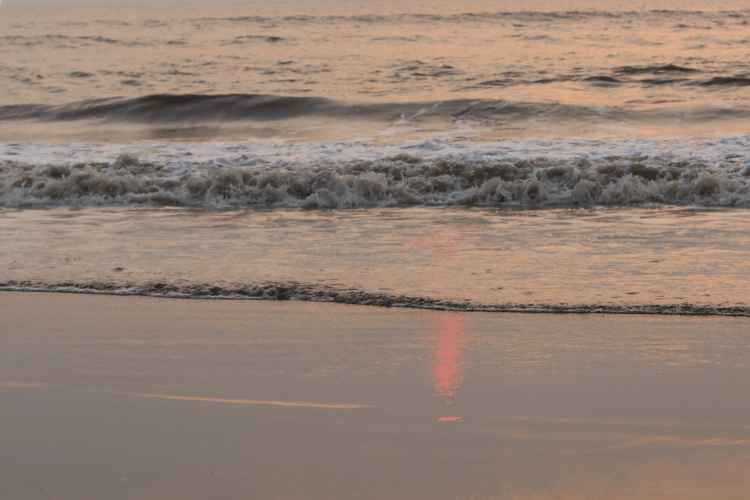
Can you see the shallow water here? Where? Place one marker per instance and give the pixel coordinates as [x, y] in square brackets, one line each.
[682, 260]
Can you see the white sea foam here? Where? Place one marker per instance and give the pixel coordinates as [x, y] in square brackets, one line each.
[709, 171]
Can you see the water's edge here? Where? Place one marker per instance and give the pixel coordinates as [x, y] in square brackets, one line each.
[330, 294]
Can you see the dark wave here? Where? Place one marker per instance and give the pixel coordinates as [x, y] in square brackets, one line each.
[663, 81]
[733, 81]
[175, 107]
[479, 17]
[60, 40]
[328, 293]
[601, 79]
[240, 40]
[171, 108]
[656, 70]
[196, 108]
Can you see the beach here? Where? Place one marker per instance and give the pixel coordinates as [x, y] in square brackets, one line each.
[400, 250]
[174, 398]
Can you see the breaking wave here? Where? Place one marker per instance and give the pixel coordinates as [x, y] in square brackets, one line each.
[311, 182]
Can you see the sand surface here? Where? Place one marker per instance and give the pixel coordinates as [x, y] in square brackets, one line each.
[133, 397]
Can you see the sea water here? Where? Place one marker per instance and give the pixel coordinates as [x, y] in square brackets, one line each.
[526, 156]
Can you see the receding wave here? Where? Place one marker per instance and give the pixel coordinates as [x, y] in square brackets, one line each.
[405, 179]
[328, 293]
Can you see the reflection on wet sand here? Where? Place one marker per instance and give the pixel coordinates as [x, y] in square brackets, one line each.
[253, 399]
[447, 331]
[447, 367]
[447, 338]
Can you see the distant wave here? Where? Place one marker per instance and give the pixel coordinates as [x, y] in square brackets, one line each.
[485, 16]
[667, 68]
[327, 293]
[59, 40]
[738, 81]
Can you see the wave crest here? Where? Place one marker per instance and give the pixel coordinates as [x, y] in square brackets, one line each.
[401, 180]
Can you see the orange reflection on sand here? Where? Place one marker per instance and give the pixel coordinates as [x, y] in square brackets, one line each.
[446, 341]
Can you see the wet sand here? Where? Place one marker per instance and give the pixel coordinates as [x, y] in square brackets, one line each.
[133, 397]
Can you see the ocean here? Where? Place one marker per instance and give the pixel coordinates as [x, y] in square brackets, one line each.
[581, 157]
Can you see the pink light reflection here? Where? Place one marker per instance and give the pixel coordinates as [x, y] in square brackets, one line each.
[444, 245]
[449, 419]
[446, 342]
[448, 330]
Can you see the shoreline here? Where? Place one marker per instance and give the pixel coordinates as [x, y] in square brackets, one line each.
[285, 292]
[570, 261]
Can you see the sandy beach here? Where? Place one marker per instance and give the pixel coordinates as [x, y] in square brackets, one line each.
[133, 397]
[402, 250]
